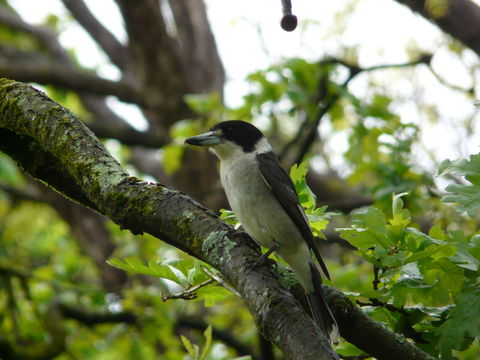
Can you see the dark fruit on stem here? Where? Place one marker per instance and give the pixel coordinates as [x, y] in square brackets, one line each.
[289, 22]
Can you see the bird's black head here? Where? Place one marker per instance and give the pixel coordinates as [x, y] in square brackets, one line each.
[238, 132]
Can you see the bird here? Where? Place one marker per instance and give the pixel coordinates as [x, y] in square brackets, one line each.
[263, 197]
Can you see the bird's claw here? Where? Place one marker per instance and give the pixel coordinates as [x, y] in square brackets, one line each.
[260, 261]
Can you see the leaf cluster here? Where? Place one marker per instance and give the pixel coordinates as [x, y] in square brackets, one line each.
[421, 280]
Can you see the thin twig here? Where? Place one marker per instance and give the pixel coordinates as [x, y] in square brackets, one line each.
[220, 281]
[376, 279]
[332, 99]
[188, 294]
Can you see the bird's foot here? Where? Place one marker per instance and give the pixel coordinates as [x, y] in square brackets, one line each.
[263, 260]
[260, 261]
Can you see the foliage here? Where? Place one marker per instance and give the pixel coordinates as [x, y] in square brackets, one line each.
[317, 217]
[422, 281]
[187, 273]
[415, 268]
[467, 197]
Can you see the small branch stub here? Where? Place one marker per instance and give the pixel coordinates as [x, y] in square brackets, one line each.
[289, 21]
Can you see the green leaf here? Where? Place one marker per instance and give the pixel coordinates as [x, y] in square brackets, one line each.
[298, 173]
[470, 169]
[368, 230]
[397, 202]
[412, 286]
[212, 294]
[172, 156]
[318, 218]
[423, 246]
[463, 322]
[192, 349]
[8, 171]
[135, 265]
[204, 104]
[399, 222]
[394, 260]
[208, 342]
[467, 197]
[437, 233]
[444, 272]
[464, 259]
[229, 217]
[163, 271]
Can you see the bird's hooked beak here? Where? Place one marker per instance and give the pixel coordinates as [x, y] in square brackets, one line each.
[206, 139]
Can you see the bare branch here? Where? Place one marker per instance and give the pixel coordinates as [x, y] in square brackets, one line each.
[65, 76]
[460, 20]
[94, 317]
[368, 335]
[19, 194]
[43, 34]
[152, 67]
[187, 294]
[107, 41]
[198, 50]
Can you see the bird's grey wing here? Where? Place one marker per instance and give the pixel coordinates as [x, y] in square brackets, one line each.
[278, 180]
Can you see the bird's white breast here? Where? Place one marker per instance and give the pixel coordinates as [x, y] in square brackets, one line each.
[256, 207]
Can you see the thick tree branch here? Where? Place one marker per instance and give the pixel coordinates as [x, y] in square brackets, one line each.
[367, 334]
[197, 50]
[151, 66]
[153, 208]
[42, 166]
[109, 43]
[461, 20]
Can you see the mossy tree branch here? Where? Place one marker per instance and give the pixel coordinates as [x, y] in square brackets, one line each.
[85, 171]
[52, 145]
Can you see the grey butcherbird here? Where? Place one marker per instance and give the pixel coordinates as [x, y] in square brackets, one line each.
[263, 197]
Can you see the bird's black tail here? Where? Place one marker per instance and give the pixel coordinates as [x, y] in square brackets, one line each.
[319, 307]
